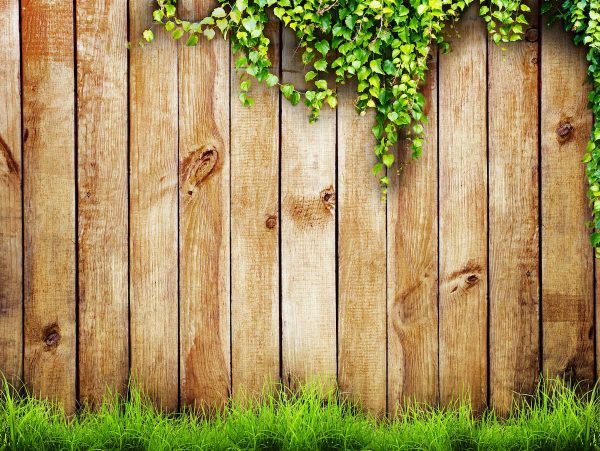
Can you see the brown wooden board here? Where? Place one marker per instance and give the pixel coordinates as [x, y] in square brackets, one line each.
[204, 216]
[362, 260]
[463, 214]
[153, 211]
[11, 239]
[413, 267]
[513, 219]
[103, 204]
[255, 232]
[308, 204]
[567, 264]
[49, 199]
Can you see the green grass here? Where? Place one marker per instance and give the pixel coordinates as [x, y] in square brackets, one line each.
[555, 418]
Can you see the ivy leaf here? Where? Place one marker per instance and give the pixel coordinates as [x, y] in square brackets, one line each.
[388, 159]
[322, 47]
[321, 65]
[310, 75]
[209, 33]
[219, 13]
[271, 80]
[321, 84]
[192, 40]
[148, 35]
[249, 24]
[375, 66]
[177, 33]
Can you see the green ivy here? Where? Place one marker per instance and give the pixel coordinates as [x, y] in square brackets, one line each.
[385, 45]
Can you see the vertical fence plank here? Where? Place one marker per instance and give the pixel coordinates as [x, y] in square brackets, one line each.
[11, 295]
[204, 216]
[567, 266]
[255, 233]
[153, 211]
[49, 193]
[463, 218]
[308, 233]
[513, 216]
[413, 268]
[103, 208]
[362, 261]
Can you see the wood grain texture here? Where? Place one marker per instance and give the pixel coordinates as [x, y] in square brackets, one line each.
[413, 267]
[255, 233]
[103, 206]
[463, 215]
[513, 220]
[567, 267]
[49, 196]
[204, 217]
[308, 203]
[362, 260]
[153, 212]
[11, 258]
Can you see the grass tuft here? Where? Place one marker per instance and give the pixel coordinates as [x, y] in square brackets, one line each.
[558, 417]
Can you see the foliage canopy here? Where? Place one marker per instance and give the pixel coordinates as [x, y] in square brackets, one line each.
[386, 46]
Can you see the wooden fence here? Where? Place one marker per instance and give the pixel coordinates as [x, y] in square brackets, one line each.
[151, 225]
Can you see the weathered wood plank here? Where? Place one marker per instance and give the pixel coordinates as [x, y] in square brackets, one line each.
[463, 215]
[308, 234]
[204, 216]
[49, 197]
[514, 219]
[103, 207]
[11, 292]
[153, 211]
[362, 261]
[413, 268]
[255, 233]
[567, 266]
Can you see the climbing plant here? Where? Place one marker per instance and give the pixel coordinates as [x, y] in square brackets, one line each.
[385, 45]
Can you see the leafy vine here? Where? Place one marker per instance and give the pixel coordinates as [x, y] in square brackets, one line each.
[386, 46]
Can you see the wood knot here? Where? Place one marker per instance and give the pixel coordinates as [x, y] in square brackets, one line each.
[271, 222]
[472, 279]
[565, 131]
[531, 35]
[51, 336]
[328, 197]
[534, 60]
[197, 167]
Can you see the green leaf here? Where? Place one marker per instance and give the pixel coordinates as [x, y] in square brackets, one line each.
[158, 15]
[388, 159]
[321, 65]
[148, 35]
[219, 13]
[310, 75]
[192, 40]
[177, 33]
[321, 84]
[209, 33]
[322, 47]
[271, 80]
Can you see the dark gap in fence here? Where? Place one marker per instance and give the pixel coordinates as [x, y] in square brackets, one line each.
[128, 84]
[230, 77]
[76, 170]
[179, 232]
[337, 251]
[488, 328]
[437, 125]
[540, 206]
[22, 372]
[279, 235]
